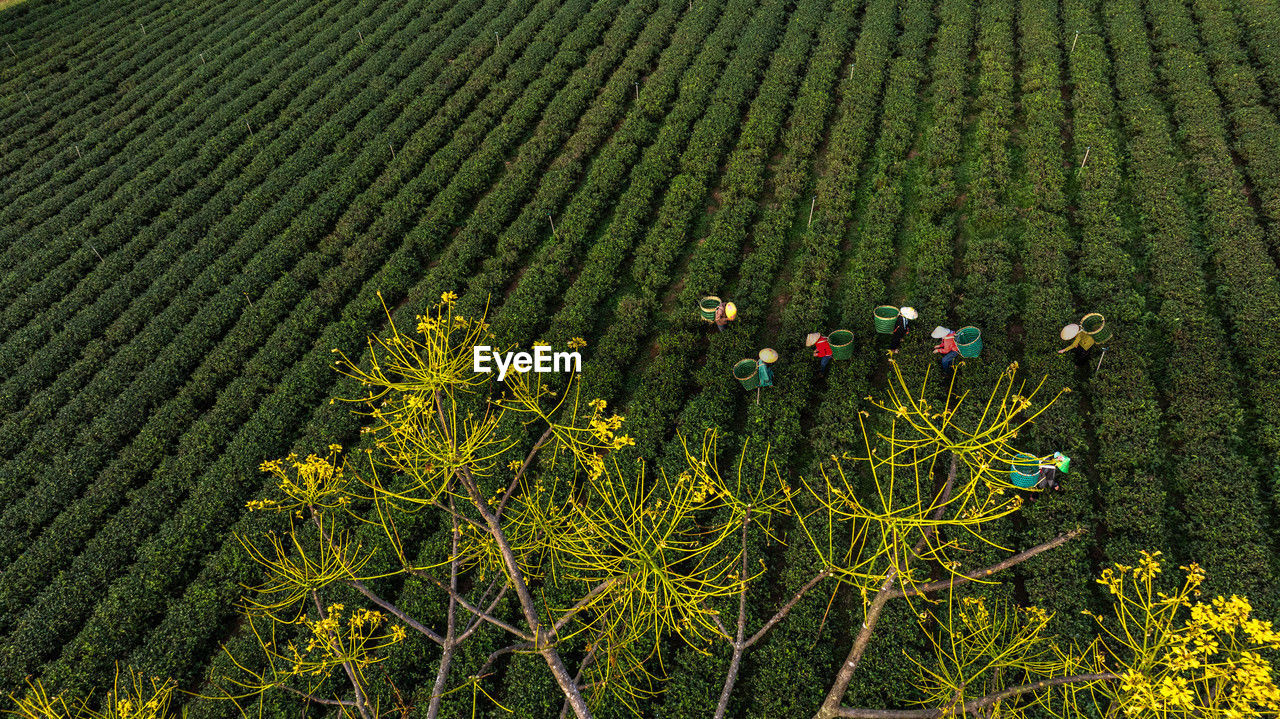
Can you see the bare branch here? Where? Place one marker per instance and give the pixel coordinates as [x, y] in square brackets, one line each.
[478, 612]
[973, 705]
[582, 668]
[509, 649]
[399, 613]
[515, 481]
[735, 662]
[548, 651]
[318, 700]
[581, 605]
[988, 571]
[786, 608]
[475, 623]
[841, 684]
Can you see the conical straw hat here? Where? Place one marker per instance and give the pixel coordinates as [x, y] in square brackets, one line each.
[812, 339]
[1070, 331]
[909, 312]
[769, 355]
[940, 332]
[730, 310]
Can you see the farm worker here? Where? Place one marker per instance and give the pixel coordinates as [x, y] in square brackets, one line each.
[726, 312]
[765, 374]
[901, 328]
[1051, 474]
[1082, 342]
[821, 349]
[947, 348]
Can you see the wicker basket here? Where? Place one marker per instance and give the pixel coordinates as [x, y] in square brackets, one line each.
[1096, 326]
[969, 341]
[745, 372]
[886, 318]
[841, 344]
[1024, 471]
[707, 308]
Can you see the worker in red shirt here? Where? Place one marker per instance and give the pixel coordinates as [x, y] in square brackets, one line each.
[821, 349]
[947, 348]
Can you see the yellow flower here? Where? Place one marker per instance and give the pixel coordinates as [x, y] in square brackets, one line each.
[448, 297]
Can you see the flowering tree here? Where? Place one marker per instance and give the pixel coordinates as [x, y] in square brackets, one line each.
[533, 493]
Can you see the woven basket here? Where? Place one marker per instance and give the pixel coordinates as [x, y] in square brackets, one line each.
[745, 372]
[841, 344]
[707, 308]
[1024, 471]
[886, 318]
[1092, 323]
[1096, 325]
[969, 341]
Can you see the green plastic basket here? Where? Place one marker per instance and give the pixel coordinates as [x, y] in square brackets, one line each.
[886, 318]
[745, 372]
[969, 341]
[1024, 472]
[841, 344]
[707, 308]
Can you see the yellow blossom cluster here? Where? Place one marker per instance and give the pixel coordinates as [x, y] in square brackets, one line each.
[317, 482]
[1182, 657]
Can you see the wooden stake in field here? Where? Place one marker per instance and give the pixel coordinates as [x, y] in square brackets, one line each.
[1100, 358]
[6, 43]
[95, 251]
[1073, 42]
[28, 96]
[811, 205]
[202, 60]
[393, 151]
[78, 155]
[144, 27]
[850, 71]
[497, 39]
[553, 226]
[1086, 157]
[246, 124]
[637, 92]
[361, 36]
[246, 297]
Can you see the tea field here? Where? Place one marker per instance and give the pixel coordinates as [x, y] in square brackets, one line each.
[203, 199]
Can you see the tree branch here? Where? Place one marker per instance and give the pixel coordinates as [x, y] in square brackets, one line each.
[451, 641]
[399, 613]
[786, 608]
[515, 481]
[967, 577]
[475, 623]
[361, 703]
[973, 705]
[318, 700]
[581, 605]
[527, 604]
[735, 661]
[473, 608]
[840, 686]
